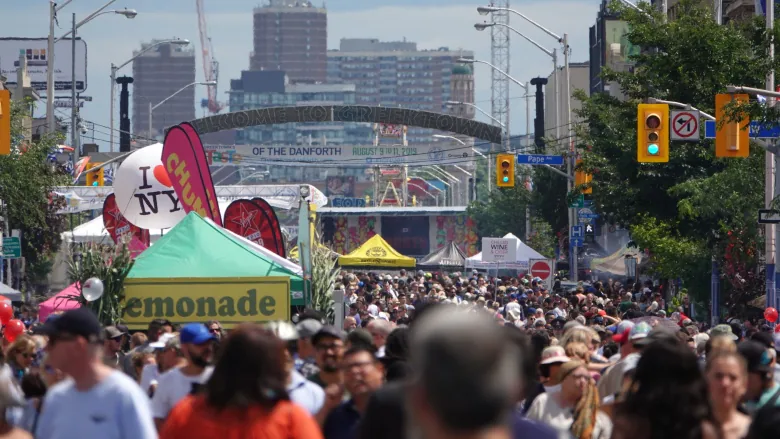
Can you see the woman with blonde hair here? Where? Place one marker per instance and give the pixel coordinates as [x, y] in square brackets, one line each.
[20, 356]
[726, 375]
[576, 407]
[590, 338]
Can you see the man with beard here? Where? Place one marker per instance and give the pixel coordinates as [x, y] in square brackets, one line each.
[329, 349]
[196, 345]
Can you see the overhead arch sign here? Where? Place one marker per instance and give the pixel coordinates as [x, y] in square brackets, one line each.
[348, 113]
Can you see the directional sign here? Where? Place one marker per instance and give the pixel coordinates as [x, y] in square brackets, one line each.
[685, 125]
[757, 131]
[543, 269]
[576, 242]
[534, 159]
[768, 216]
[576, 232]
[12, 247]
[578, 202]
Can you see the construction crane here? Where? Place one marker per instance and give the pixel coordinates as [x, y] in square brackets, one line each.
[210, 64]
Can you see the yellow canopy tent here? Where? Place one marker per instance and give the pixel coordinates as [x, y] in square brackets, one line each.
[376, 252]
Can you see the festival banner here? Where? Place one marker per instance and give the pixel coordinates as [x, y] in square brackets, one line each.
[203, 165]
[277, 227]
[245, 218]
[181, 156]
[120, 229]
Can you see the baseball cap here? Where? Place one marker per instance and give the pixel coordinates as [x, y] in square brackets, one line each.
[657, 334]
[327, 331]
[756, 355]
[195, 333]
[113, 332]
[554, 354]
[80, 322]
[161, 342]
[723, 330]
[639, 331]
[308, 327]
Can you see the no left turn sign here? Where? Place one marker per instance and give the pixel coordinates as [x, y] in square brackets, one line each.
[685, 125]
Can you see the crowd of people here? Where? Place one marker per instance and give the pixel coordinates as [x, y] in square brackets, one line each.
[419, 355]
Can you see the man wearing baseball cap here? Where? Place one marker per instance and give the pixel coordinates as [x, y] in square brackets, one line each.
[196, 344]
[96, 401]
[761, 387]
[630, 341]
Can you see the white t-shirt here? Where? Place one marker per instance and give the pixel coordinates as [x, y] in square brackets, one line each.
[149, 375]
[115, 408]
[546, 410]
[172, 387]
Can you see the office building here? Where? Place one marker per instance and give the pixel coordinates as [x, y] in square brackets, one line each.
[158, 74]
[609, 47]
[291, 36]
[555, 118]
[398, 74]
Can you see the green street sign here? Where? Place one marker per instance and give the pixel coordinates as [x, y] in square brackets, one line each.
[12, 247]
[579, 203]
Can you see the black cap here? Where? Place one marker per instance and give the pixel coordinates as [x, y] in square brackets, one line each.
[657, 334]
[327, 331]
[764, 338]
[756, 355]
[81, 322]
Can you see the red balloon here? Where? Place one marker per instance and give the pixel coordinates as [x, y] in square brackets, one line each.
[6, 312]
[777, 328]
[770, 314]
[13, 329]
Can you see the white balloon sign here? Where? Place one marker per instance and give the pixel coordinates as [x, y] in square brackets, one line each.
[143, 190]
[92, 289]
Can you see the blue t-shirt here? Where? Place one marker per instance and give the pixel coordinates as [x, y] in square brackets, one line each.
[115, 408]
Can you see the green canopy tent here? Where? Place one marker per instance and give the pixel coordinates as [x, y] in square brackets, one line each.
[198, 248]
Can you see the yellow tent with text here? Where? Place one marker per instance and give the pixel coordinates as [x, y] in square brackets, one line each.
[376, 252]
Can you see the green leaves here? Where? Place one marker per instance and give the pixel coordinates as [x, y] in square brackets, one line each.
[680, 211]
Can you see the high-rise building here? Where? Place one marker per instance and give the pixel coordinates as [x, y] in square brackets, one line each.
[397, 74]
[158, 74]
[555, 118]
[291, 36]
[462, 90]
[609, 47]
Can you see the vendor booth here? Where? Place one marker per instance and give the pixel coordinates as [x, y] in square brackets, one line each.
[199, 271]
[62, 301]
[449, 257]
[376, 252]
[524, 254]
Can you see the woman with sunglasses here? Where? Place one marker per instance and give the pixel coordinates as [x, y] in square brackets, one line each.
[20, 356]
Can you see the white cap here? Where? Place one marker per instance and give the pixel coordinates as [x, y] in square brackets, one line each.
[160, 343]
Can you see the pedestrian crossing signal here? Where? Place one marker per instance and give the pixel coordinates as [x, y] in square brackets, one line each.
[505, 170]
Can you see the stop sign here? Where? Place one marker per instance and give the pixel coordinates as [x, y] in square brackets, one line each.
[541, 269]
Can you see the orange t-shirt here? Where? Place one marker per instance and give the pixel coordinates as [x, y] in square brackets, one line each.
[192, 418]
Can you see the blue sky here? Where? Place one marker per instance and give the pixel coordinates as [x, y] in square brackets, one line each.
[430, 23]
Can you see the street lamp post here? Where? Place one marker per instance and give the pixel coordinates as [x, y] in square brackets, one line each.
[152, 108]
[442, 136]
[53, 9]
[551, 53]
[114, 69]
[564, 40]
[524, 86]
[489, 168]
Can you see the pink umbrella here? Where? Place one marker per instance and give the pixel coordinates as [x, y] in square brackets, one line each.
[62, 301]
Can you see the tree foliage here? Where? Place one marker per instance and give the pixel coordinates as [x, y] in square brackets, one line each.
[110, 264]
[681, 211]
[26, 181]
[503, 212]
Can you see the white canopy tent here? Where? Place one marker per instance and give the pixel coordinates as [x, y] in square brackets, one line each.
[524, 254]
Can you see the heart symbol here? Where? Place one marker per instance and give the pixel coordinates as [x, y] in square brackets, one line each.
[162, 175]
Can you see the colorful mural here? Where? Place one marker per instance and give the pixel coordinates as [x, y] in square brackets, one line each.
[458, 229]
[340, 244]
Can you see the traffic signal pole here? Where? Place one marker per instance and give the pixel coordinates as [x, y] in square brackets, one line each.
[770, 232]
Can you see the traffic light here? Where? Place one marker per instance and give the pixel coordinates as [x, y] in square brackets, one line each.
[582, 177]
[652, 133]
[95, 178]
[505, 170]
[732, 139]
[5, 122]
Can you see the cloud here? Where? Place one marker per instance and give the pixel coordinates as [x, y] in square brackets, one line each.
[113, 39]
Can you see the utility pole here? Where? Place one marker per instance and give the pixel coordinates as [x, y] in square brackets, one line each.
[770, 232]
[73, 99]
